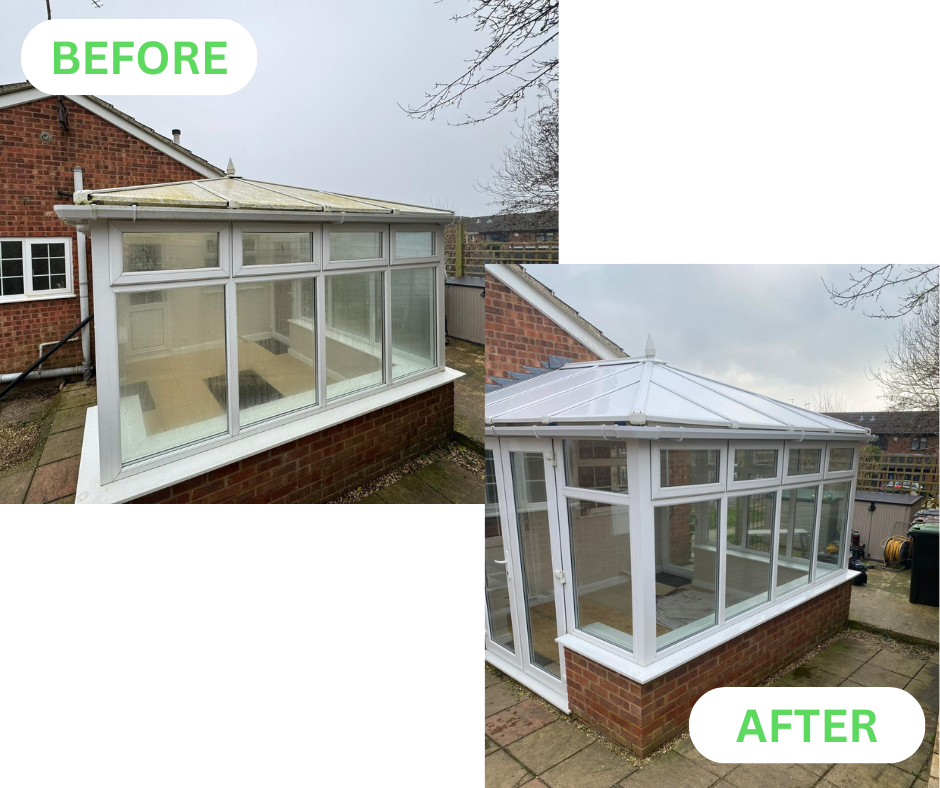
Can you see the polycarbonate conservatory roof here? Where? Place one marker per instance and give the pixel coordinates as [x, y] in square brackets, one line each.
[235, 192]
[647, 391]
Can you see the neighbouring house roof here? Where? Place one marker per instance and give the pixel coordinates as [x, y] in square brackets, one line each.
[912, 422]
[550, 363]
[23, 93]
[526, 286]
[898, 499]
[647, 391]
[511, 222]
[231, 192]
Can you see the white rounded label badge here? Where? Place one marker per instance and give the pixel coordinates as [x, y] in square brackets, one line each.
[806, 725]
[139, 57]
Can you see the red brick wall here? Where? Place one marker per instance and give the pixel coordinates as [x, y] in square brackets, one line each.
[518, 335]
[901, 444]
[31, 171]
[643, 717]
[319, 467]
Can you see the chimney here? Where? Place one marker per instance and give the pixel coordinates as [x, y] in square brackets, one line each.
[176, 136]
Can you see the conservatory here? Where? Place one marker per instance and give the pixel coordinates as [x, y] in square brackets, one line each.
[232, 316]
[651, 534]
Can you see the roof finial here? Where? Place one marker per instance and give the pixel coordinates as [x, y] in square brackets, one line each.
[230, 170]
[650, 347]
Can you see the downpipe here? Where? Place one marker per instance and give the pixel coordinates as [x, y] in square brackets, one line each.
[83, 284]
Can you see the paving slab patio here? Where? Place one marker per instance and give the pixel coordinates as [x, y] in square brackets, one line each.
[528, 741]
[883, 604]
[468, 390]
[443, 481]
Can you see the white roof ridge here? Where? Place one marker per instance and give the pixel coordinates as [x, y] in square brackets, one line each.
[638, 414]
[566, 391]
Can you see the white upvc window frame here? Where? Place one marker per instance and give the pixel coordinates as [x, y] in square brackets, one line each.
[107, 246]
[360, 227]
[804, 477]
[684, 491]
[119, 277]
[29, 292]
[437, 316]
[239, 269]
[748, 484]
[417, 228]
[833, 475]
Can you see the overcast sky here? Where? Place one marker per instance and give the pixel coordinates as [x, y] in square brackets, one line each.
[765, 328]
[322, 108]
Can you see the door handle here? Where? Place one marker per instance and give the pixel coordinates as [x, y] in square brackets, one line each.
[498, 562]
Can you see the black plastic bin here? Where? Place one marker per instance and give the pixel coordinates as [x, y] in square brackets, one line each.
[924, 575]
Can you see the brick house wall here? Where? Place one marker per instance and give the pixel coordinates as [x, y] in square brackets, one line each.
[321, 466]
[31, 172]
[517, 334]
[642, 717]
[901, 444]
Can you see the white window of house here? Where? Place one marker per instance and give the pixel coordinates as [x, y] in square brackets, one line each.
[678, 469]
[841, 460]
[35, 268]
[597, 465]
[414, 321]
[754, 464]
[355, 245]
[804, 462]
[147, 252]
[750, 533]
[276, 248]
[416, 244]
[919, 443]
[354, 331]
[795, 549]
[834, 511]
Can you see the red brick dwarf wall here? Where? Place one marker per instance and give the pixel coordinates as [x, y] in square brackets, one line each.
[31, 172]
[319, 467]
[643, 717]
[518, 335]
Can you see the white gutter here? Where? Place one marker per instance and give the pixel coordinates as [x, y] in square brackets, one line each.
[83, 285]
[42, 374]
[617, 432]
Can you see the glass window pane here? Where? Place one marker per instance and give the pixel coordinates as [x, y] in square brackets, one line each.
[538, 583]
[414, 321]
[276, 349]
[353, 332]
[750, 541]
[276, 248]
[686, 570]
[414, 244]
[841, 459]
[497, 584]
[797, 518]
[681, 467]
[600, 552]
[170, 251]
[755, 464]
[597, 465]
[352, 245]
[171, 366]
[803, 461]
[831, 542]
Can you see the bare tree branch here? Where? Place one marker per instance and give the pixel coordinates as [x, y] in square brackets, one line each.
[518, 54]
[873, 283]
[527, 178]
[827, 400]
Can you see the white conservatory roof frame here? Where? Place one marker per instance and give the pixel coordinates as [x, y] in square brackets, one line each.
[641, 407]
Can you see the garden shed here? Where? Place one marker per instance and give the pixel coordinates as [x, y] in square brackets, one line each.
[652, 534]
[279, 342]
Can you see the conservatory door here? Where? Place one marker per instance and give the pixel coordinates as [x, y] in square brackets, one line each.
[534, 563]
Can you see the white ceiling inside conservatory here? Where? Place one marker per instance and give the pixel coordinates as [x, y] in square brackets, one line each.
[646, 391]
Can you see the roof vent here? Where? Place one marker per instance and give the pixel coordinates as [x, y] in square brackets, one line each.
[176, 136]
[230, 169]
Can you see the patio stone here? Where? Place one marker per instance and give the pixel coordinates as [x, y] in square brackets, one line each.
[850, 683]
[504, 772]
[491, 746]
[66, 499]
[593, 767]
[935, 659]
[833, 662]
[73, 398]
[411, 489]
[872, 676]
[779, 775]
[811, 677]
[62, 445]
[548, 746]
[891, 660]
[69, 419]
[54, 481]
[925, 694]
[928, 673]
[915, 763]
[672, 770]
[454, 483]
[491, 678]
[853, 648]
[819, 769]
[518, 721]
[686, 749]
[500, 696]
[14, 486]
[869, 775]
